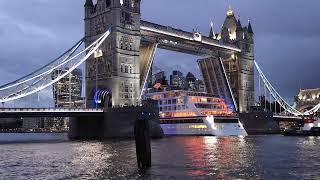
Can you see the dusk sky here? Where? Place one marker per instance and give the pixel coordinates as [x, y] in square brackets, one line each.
[33, 32]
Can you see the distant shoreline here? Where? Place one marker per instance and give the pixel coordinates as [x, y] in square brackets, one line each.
[35, 132]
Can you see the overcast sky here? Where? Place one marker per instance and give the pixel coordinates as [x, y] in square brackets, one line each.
[33, 32]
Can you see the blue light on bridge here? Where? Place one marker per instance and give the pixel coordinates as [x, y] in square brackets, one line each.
[100, 96]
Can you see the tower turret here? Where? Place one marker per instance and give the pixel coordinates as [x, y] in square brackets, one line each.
[88, 7]
[241, 77]
[228, 33]
[88, 3]
[239, 31]
[212, 33]
[249, 33]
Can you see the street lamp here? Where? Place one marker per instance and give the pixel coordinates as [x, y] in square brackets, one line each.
[97, 55]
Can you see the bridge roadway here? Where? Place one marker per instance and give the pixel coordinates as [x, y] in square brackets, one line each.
[69, 112]
[182, 41]
[49, 112]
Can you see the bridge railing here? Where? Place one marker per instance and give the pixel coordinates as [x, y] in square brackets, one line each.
[167, 29]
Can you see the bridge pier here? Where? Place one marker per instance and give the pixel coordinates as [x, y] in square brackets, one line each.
[86, 127]
[115, 123]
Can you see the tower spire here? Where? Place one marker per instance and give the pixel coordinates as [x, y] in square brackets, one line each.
[212, 33]
[249, 27]
[239, 26]
[89, 3]
[230, 11]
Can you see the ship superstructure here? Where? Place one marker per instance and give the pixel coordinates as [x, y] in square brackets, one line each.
[195, 113]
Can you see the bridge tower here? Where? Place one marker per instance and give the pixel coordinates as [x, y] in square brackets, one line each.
[116, 68]
[240, 67]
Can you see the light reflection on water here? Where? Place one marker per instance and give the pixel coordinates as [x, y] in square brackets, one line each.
[257, 157]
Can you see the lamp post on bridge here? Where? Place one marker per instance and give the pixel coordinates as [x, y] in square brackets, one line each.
[97, 55]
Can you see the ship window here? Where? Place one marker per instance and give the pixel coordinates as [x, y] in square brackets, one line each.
[174, 101]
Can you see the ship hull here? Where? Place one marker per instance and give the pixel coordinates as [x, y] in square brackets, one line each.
[259, 123]
[202, 128]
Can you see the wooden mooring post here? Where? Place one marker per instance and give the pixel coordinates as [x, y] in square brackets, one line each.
[143, 143]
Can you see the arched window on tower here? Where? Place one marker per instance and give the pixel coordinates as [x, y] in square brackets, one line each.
[108, 68]
[121, 68]
[121, 44]
[108, 3]
[126, 3]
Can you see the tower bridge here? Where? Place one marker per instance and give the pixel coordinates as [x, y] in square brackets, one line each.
[129, 52]
[120, 49]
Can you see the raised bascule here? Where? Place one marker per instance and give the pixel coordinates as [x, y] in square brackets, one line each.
[128, 53]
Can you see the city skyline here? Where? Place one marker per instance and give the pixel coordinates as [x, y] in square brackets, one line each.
[276, 39]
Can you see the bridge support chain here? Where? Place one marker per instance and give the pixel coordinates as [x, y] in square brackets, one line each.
[275, 94]
[143, 142]
[42, 78]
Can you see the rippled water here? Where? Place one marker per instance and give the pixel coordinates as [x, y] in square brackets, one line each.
[255, 157]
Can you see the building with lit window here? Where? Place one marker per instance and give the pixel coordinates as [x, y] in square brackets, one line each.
[177, 80]
[67, 93]
[191, 81]
[199, 86]
[307, 99]
[159, 77]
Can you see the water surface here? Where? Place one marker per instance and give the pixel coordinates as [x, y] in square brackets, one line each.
[255, 157]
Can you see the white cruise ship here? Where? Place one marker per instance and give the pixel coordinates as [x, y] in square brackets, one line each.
[194, 113]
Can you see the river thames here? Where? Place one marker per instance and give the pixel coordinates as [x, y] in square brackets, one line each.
[53, 156]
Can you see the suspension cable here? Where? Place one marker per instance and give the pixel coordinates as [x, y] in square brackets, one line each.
[91, 49]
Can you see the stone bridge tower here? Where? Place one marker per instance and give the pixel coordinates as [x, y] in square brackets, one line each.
[240, 67]
[117, 70]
